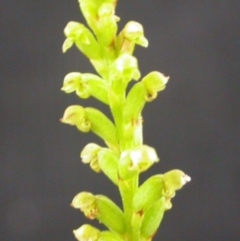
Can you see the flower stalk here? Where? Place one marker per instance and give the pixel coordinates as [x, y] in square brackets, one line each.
[125, 156]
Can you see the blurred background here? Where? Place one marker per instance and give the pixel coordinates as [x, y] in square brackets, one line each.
[194, 124]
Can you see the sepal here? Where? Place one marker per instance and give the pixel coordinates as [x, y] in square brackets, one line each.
[67, 44]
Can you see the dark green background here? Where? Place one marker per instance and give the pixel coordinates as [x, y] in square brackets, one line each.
[194, 124]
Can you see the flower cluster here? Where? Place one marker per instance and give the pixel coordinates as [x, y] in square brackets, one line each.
[125, 156]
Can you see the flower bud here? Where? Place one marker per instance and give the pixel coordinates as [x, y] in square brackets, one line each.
[71, 31]
[142, 158]
[135, 161]
[101, 208]
[86, 202]
[91, 11]
[71, 82]
[107, 27]
[86, 233]
[89, 155]
[86, 119]
[154, 82]
[83, 38]
[125, 68]
[128, 66]
[173, 181]
[86, 85]
[133, 31]
[131, 34]
[90, 152]
[75, 115]
[125, 169]
[141, 92]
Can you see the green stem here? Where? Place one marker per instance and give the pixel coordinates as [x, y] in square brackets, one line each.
[116, 100]
[127, 190]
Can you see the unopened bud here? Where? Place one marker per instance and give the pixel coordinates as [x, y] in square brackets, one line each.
[127, 66]
[86, 202]
[154, 82]
[86, 233]
[75, 115]
[89, 155]
[143, 157]
[133, 31]
[71, 82]
[173, 181]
